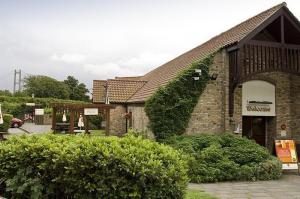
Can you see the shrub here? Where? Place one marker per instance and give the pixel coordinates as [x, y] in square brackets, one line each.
[16, 105]
[6, 122]
[224, 157]
[169, 108]
[52, 166]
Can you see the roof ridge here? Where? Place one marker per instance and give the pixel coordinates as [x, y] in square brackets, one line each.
[126, 80]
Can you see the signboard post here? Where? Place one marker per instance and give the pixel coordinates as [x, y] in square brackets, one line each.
[286, 152]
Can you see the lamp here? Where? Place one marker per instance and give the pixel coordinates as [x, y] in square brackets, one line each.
[214, 76]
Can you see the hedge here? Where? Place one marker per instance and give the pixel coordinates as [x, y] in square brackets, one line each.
[52, 166]
[226, 157]
[16, 105]
[6, 122]
[169, 108]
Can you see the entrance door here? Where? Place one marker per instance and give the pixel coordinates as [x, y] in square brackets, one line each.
[254, 127]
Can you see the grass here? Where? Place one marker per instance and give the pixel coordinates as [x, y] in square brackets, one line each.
[97, 132]
[198, 194]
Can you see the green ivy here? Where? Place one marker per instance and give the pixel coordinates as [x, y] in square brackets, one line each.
[170, 108]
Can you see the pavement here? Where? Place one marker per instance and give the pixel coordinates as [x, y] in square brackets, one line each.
[33, 128]
[287, 187]
[29, 128]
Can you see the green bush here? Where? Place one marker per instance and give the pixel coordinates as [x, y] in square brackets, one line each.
[16, 105]
[52, 166]
[6, 122]
[224, 157]
[170, 108]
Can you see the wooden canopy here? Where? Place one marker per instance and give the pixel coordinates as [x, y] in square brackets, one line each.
[80, 109]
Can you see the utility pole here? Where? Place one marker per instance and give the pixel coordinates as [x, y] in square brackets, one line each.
[17, 80]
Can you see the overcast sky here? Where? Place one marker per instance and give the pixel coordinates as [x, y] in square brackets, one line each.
[100, 39]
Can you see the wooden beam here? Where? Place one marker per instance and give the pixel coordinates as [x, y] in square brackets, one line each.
[259, 28]
[107, 126]
[86, 124]
[72, 123]
[53, 119]
[294, 21]
[282, 29]
[80, 106]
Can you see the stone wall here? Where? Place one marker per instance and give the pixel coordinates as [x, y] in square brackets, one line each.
[287, 88]
[139, 118]
[209, 115]
[117, 120]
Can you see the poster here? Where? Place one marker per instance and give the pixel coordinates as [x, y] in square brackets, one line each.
[286, 151]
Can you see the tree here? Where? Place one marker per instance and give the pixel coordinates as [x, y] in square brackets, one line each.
[43, 86]
[78, 91]
[5, 93]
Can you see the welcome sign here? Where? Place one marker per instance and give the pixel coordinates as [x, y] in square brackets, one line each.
[258, 98]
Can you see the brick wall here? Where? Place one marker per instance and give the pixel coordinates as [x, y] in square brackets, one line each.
[117, 120]
[209, 115]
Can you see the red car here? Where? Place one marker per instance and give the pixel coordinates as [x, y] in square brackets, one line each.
[16, 123]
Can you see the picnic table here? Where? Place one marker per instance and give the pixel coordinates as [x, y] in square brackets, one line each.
[62, 126]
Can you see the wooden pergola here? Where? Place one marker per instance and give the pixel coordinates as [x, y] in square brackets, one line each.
[76, 109]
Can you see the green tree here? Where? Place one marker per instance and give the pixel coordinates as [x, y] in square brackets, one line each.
[78, 91]
[5, 93]
[43, 86]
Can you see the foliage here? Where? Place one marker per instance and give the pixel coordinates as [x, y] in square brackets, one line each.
[43, 86]
[16, 105]
[5, 93]
[95, 121]
[6, 122]
[78, 91]
[170, 108]
[224, 157]
[51, 166]
[139, 133]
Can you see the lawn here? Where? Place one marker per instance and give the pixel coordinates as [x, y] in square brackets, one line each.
[197, 194]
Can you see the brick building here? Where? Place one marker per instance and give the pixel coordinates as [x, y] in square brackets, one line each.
[256, 92]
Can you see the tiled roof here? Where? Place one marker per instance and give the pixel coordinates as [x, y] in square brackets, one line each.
[163, 74]
[99, 91]
[119, 90]
[135, 78]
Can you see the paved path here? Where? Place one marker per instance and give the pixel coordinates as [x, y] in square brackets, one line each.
[288, 187]
[32, 128]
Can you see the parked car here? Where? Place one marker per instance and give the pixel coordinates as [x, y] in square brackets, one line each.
[16, 123]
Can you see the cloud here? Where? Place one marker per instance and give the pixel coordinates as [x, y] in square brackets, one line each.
[130, 66]
[69, 58]
[108, 70]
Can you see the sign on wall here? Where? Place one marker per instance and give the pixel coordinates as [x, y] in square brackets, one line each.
[258, 98]
[91, 111]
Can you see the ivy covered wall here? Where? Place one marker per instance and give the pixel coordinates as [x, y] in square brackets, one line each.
[170, 108]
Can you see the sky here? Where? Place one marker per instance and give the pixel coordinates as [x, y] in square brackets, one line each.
[101, 39]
